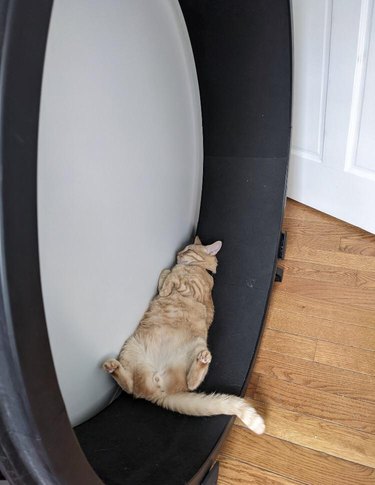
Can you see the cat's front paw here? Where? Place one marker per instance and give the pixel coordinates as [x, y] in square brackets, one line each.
[111, 365]
[204, 357]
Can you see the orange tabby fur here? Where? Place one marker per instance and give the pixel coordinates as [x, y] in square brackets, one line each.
[167, 356]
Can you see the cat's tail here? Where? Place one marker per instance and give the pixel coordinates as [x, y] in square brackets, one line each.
[200, 404]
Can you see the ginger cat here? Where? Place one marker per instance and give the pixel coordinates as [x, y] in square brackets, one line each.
[167, 356]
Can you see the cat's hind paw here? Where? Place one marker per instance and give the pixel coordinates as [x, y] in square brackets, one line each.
[204, 357]
[111, 365]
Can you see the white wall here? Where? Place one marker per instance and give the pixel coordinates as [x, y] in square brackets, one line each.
[119, 177]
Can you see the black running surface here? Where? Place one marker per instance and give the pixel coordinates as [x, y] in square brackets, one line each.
[243, 58]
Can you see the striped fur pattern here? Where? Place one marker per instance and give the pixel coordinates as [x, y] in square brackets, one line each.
[167, 357]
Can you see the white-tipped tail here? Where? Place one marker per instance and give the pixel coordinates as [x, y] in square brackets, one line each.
[200, 404]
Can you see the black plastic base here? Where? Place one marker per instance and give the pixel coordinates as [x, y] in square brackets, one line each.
[212, 476]
[279, 274]
[282, 245]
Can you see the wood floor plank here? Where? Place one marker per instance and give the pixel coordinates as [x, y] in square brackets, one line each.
[362, 236]
[237, 472]
[363, 245]
[299, 252]
[253, 384]
[314, 433]
[313, 375]
[321, 229]
[295, 303]
[365, 279]
[293, 224]
[289, 344]
[294, 462]
[294, 209]
[337, 409]
[321, 329]
[345, 357]
[356, 297]
[327, 243]
[320, 272]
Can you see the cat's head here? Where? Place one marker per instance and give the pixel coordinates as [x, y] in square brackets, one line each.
[198, 254]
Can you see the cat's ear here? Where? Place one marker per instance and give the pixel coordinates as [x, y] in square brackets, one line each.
[197, 240]
[213, 248]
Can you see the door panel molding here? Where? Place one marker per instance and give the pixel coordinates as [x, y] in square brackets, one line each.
[358, 95]
[299, 147]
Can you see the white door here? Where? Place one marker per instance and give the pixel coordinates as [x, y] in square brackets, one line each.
[332, 166]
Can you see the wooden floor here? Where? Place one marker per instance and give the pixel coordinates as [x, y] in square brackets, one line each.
[314, 378]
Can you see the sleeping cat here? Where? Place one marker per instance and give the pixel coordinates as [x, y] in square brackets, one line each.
[167, 356]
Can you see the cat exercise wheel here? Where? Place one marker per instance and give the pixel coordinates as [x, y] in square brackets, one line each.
[242, 54]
